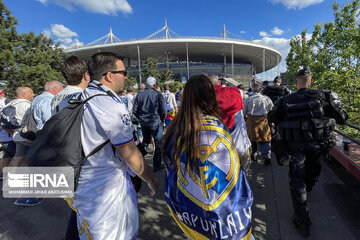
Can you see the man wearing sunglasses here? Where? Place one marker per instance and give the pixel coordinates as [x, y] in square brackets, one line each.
[105, 200]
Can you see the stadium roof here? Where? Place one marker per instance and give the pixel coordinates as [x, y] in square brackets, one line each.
[197, 49]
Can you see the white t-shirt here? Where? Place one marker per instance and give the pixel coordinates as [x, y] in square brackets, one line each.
[170, 98]
[61, 99]
[2, 103]
[104, 195]
[21, 106]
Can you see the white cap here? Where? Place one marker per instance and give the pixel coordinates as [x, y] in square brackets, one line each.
[150, 81]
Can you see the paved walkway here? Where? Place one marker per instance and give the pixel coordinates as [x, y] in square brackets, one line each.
[334, 209]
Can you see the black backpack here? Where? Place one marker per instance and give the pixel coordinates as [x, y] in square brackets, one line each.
[28, 126]
[8, 119]
[58, 143]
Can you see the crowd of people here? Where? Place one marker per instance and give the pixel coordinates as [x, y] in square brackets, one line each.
[205, 135]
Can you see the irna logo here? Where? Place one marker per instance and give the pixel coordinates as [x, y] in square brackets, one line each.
[35, 180]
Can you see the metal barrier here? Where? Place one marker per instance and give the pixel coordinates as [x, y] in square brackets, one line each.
[350, 160]
[347, 136]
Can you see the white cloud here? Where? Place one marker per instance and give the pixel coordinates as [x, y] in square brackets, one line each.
[108, 7]
[293, 4]
[280, 44]
[60, 31]
[263, 34]
[62, 34]
[277, 31]
[242, 31]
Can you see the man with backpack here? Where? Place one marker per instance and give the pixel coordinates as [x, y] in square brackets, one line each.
[34, 120]
[11, 118]
[105, 200]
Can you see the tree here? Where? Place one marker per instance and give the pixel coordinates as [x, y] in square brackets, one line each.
[37, 62]
[151, 70]
[131, 81]
[8, 39]
[175, 85]
[165, 76]
[333, 55]
[27, 59]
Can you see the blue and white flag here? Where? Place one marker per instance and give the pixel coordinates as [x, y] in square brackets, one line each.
[213, 202]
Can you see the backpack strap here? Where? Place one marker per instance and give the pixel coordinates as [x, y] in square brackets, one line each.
[95, 150]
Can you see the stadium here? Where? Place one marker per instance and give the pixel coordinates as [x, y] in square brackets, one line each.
[186, 56]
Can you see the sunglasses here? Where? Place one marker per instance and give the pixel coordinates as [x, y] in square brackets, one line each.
[123, 72]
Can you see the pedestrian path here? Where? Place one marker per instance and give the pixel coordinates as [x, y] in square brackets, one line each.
[334, 210]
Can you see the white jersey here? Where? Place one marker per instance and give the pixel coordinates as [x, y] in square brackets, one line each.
[21, 106]
[105, 198]
[61, 99]
[170, 98]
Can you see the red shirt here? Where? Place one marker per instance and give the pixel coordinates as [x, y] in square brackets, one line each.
[230, 102]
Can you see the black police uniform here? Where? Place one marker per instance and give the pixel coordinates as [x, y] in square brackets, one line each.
[275, 92]
[305, 120]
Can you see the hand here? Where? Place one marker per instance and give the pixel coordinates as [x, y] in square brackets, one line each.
[153, 185]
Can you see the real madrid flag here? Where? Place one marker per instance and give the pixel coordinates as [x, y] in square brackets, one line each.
[213, 202]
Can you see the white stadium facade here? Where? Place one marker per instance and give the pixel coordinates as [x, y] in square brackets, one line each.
[186, 56]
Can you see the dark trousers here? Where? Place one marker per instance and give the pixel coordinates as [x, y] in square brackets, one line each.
[264, 148]
[304, 170]
[157, 133]
[72, 232]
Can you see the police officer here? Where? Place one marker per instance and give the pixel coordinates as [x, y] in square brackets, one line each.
[305, 120]
[276, 91]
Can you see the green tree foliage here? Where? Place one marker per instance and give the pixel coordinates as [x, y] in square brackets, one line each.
[8, 39]
[131, 81]
[333, 55]
[26, 59]
[175, 85]
[37, 62]
[151, 70]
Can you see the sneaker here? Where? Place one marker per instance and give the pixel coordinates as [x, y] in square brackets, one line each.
[30, 202]
[303, 229]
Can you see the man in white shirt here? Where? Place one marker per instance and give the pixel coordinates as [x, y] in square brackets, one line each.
[170, 98]
[75, 72]
[105, 199]
[256, 108]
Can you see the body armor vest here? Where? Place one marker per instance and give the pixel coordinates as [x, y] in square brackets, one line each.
[274, 92]
[304, 118]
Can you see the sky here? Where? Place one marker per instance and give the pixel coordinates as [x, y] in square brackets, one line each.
[79, 22]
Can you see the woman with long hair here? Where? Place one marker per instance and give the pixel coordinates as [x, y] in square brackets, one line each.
[206, 188]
